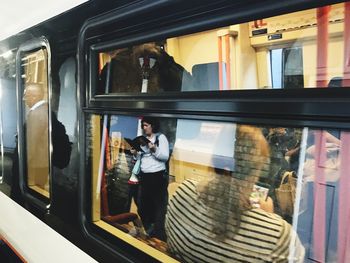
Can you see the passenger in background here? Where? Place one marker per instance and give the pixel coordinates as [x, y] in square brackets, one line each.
[277, 138]
[37, 125]
[284, 146]
[332, 140]
[37, 135]
[284, 150]
[153, 199]
[144, 68]
[215, 221]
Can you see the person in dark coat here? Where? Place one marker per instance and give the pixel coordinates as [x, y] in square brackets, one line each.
[143, 68]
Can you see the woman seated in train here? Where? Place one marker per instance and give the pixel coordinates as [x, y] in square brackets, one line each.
[216, 220]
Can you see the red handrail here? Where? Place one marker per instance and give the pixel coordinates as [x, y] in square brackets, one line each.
[344, 180]
[319, 217]
[322, 45]
[228, 62]
[346, 78]
[220, 62]
[319, 222]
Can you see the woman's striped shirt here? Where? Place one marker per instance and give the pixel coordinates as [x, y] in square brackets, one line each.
[262, 236]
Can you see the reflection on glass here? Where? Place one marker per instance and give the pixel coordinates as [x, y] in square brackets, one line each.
[143, 68]
[36, 127]
[323, 218]
[223, 217]
[286, 51]
[223, 178]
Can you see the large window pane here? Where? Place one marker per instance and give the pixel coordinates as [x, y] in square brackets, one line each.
[234, 192]
[242, 56]
[35, 96]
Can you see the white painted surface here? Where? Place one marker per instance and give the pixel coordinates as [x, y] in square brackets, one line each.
[17, 15]
[34, 240]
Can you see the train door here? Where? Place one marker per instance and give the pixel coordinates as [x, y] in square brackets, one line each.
[33, 89]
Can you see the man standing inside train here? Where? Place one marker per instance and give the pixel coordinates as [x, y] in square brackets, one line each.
[37, 136]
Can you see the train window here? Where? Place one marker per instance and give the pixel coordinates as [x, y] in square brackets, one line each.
[232, 57]
[36, 110]
[232, 191]
[203, 177]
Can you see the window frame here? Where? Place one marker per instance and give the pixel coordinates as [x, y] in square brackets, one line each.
[2, 151]
[38, 200]
[297, 108]
[189, 102]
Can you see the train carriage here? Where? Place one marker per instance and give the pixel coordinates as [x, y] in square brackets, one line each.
[224, 81]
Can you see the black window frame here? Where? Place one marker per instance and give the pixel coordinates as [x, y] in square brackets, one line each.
[39, 201]
[189, 102]
[325, 108]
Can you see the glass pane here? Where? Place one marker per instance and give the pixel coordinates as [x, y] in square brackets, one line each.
[35, 96]
[205, 189]
[291, 48]
[276, 68]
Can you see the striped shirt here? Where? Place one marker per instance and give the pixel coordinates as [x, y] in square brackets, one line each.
[262, 236]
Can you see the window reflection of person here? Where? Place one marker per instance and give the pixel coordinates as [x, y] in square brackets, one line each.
[132, 67]
[37, 135]
[215, 221]
[153, 199]
[331, 138]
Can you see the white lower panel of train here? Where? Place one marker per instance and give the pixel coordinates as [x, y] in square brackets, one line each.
[33, 240]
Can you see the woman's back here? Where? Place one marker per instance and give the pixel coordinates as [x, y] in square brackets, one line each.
[261, 237]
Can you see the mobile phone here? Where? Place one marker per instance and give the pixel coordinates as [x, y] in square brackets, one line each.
[261, 192]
